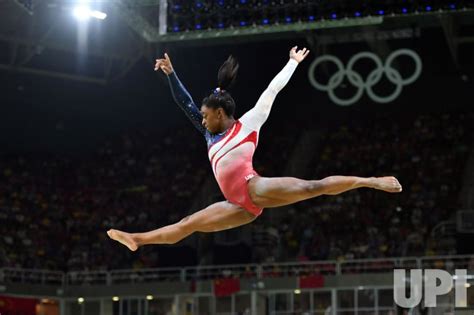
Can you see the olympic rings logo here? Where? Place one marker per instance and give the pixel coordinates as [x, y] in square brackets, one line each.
[374, 77]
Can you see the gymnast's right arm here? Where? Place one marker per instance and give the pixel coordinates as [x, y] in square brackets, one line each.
[180, 94]
[257, 116]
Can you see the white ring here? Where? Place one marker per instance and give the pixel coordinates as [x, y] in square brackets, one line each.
[322, 59]
[352, 100]
[374, 77]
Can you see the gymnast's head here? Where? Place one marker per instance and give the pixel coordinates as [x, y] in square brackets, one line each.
[219, 107]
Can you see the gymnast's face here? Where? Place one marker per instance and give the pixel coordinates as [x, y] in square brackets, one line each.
[213, 118]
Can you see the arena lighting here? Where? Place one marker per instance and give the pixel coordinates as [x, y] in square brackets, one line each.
[83, 13]
[231, 14]
[297, 291]
[149, 297]
[80, 300]
[115, 299]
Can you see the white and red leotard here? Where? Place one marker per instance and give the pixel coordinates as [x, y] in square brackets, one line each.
[231, 151]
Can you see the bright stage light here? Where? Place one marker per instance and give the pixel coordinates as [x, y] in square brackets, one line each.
[98, 15]
[81, 13]
[84, 13]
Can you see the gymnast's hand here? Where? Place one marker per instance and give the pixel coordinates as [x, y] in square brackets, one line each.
[165, 65]
[298, 55]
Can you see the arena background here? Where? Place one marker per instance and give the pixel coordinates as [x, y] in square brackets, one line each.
[91, 139]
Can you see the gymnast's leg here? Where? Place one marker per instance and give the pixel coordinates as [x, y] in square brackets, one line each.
[279, 191]
[217, 217]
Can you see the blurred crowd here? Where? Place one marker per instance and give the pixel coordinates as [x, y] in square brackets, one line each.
[55, 210]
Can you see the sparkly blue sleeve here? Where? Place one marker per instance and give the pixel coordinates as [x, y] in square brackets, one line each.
[185, 102]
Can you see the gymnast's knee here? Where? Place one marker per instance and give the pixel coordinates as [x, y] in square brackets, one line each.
[314, 187]
[184, 227]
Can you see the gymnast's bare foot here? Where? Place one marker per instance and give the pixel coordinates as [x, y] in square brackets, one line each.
[389, 184]
[123, 238]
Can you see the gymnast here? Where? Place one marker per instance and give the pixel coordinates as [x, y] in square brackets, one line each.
[231, 144]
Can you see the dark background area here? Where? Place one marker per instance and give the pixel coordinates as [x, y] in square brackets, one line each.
[53, 115]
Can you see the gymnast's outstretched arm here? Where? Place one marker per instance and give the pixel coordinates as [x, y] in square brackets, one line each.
[180, 95]
[257, 116]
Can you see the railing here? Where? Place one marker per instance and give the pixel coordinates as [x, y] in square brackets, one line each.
[449, 263]
[87, 277]
[295, 269]
[378, 265]
[147, 275]
[31, 276]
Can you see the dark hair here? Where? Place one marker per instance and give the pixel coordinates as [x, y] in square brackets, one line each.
[220, 97]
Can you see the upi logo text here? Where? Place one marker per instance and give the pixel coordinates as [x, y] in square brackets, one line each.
[436, 282]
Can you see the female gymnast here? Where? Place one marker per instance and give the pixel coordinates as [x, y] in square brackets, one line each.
[231, 144]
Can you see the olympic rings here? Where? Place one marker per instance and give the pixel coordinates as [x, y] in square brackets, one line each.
[374, 77]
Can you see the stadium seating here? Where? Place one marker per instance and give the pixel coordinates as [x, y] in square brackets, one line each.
[56, 209]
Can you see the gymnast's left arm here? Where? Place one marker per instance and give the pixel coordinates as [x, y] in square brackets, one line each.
[257, 116]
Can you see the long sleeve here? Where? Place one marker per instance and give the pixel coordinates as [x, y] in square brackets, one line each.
[257, 116]
[185, 102]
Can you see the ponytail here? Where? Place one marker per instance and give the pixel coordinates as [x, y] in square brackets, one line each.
[220, 97]
[227, 73]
